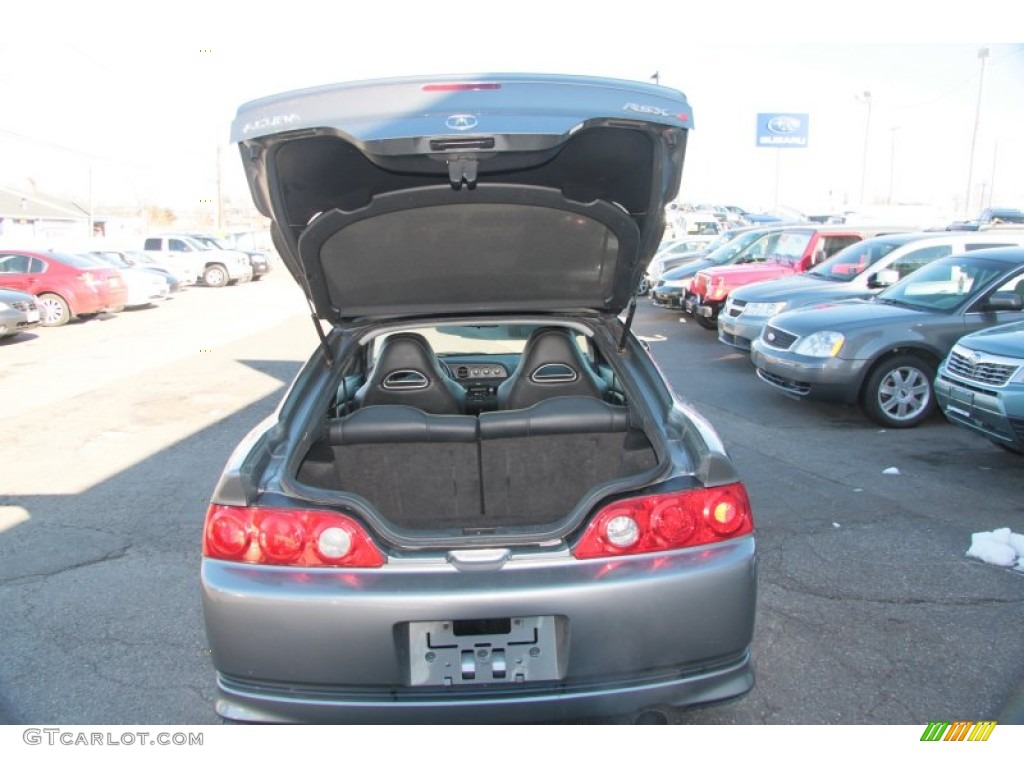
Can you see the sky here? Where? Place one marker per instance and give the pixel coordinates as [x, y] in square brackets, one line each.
[135, 104]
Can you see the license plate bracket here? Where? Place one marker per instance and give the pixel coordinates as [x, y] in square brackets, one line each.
[512, 651]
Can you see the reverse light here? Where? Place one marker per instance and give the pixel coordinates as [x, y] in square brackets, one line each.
[294, 537]
[622, 531]
[667, 521]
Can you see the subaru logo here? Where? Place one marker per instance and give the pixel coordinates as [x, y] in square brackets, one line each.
[784, 124]
[973, 358]
[461, 122]
[770, 336]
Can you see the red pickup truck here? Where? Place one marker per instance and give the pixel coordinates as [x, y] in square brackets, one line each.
[797, 249]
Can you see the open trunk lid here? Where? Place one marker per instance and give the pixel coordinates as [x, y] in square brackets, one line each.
[449, 195]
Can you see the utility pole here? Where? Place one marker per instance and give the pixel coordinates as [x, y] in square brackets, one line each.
[992, 181]
[983, 55]
[220, 199]
[865, 98]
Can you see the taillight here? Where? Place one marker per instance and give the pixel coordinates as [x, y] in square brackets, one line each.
[667, 521]
[296, 537]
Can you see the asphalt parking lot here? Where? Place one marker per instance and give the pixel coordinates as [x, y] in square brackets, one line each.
[117, 429]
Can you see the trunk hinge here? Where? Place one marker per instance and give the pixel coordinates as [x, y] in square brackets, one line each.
[323, 340]
[628, 324]
[462, 170]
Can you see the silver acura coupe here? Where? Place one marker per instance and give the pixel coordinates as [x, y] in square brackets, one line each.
[479, 500]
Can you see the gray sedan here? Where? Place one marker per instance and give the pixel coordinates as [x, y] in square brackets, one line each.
[883, 352]
[18, 312]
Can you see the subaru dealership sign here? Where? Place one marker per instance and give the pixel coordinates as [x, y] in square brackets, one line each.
[781, 129]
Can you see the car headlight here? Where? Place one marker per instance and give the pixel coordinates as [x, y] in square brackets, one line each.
[1018, 378]
[820, 344]
[4, 306]
[764, 308]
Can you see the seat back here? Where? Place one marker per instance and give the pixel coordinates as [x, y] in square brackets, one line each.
[407, 372]
[552, 365]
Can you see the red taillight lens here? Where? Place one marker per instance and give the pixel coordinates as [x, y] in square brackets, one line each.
[287, 537]
[667, 521]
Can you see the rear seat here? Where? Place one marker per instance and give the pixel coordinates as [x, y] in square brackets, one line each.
[528, 466]
[537, 462]
[405, 461]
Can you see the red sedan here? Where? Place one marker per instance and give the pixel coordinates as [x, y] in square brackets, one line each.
[67, 286]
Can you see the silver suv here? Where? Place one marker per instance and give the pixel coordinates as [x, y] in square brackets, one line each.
[218, 267]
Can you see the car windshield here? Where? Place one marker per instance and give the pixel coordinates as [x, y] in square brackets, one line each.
[944, 285]
[211, 242]
[853, 260]
[790, 247]
[730, 250]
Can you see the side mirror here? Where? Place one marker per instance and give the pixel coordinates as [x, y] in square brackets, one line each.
[884, 278]
[1005, 301]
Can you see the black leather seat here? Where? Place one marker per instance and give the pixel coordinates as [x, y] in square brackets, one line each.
[552, 365]
[407, 372]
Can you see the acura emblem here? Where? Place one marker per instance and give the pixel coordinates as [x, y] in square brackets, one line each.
[973, 358]
[461, 122]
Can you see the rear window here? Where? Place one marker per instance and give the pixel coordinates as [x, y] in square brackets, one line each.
[73, 260]
[490, 339]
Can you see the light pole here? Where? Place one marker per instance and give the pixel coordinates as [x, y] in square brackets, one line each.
[865, 98]
[983, 55]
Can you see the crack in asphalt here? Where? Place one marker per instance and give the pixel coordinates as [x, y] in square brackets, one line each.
[31, 577]
[980, 601]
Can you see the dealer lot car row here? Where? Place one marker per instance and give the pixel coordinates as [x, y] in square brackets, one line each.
[63, 286]
[479, 499]
[834, 334]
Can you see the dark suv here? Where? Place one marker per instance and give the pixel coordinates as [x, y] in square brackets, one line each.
[479, 499]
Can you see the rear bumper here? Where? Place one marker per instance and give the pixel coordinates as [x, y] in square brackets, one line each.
[251, 701]
[331, 645]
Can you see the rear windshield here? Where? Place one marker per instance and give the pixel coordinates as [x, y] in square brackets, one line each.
[853, 260]
[76, 261]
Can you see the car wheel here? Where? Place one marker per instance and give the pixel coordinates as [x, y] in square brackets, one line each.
[707, 323]
[257, 278]
[55, 311]
[215, 276]
[899, 392]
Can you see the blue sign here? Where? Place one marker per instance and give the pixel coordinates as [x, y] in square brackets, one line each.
[781, 129]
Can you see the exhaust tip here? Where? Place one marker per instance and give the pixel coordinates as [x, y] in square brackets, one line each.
[651, 717]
